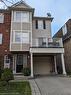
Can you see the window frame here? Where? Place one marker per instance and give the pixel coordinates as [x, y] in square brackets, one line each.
[22, 19]
[1, 38]
[64, 29]
[2, 18]
[6, 59]
[40, 24]
[18, 33]
[21, 32]
[42, 42]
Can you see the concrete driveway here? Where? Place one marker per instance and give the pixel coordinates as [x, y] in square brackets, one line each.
[54, 85]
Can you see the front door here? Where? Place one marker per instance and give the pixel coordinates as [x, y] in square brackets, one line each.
[19, 63]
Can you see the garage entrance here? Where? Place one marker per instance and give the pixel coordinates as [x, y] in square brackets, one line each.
[43, 65]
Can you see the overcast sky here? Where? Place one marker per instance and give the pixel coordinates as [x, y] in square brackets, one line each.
[59, 9]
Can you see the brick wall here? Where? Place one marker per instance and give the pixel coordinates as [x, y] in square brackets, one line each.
[5, 30]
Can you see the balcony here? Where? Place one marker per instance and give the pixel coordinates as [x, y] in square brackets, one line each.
[56, 42]
[48, 46]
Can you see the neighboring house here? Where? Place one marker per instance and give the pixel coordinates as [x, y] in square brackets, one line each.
[65, 34]
[26, 41]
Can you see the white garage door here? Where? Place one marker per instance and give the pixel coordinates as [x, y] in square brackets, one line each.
[42, 65]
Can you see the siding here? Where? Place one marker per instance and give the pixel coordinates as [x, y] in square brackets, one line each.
[36, 33]
[17, 26]
[24, 27]
[45, 32]
[67, 47]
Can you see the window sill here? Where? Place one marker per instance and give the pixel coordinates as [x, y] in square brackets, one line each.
[19, 43]
[41, 29]
[20, 22]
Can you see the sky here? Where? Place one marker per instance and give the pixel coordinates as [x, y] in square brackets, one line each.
[59, 9]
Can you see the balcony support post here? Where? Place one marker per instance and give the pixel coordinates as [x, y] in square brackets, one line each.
[32, 75]
[55, 65]
[63, 65]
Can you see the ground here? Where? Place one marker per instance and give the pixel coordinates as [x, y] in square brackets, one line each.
[54, 85]
[16, 88]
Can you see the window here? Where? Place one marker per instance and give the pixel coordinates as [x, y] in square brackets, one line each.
[20, 16]
[25, 17]
[21, 37]
[42, 42]
[25, 37]
[6, 59]
[40, 24]
[17, 37]
[64, 29]
[1, 18]
[0, 38]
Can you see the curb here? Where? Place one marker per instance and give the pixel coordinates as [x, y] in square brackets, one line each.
[34, 87]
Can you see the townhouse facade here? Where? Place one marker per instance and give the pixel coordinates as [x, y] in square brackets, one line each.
[26, 41]
[65, 33]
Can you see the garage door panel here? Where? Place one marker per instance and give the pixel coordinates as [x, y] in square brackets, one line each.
[42, 65]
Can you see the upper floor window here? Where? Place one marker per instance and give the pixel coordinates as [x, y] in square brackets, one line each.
[25, 37]
[25, 17]
[20, 16]
[40, 24]
[21, 37]
[64, 29]
[42, 41]
[1, 38]
[1, 18]
[17, 37]
[17, 16]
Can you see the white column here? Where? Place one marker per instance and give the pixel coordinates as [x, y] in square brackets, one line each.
[63, 65]
[32, 65]
[55, 65]
[14, 64]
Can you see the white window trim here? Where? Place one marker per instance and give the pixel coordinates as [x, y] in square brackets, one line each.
[41, 25]
[6, 65]
[2, 21]
[14, 39]
[45, 41]
[64, 29]
[24, 31]
[1, 39]
[6, 58]
[14, 17]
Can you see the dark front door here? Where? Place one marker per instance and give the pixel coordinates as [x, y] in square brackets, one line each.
[19, 63]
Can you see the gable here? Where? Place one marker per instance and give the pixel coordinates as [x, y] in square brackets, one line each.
[21, 4]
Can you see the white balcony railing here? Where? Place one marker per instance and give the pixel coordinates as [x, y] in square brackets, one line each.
[55, 42]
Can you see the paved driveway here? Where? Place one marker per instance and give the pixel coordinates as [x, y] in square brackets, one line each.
[54, 85]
